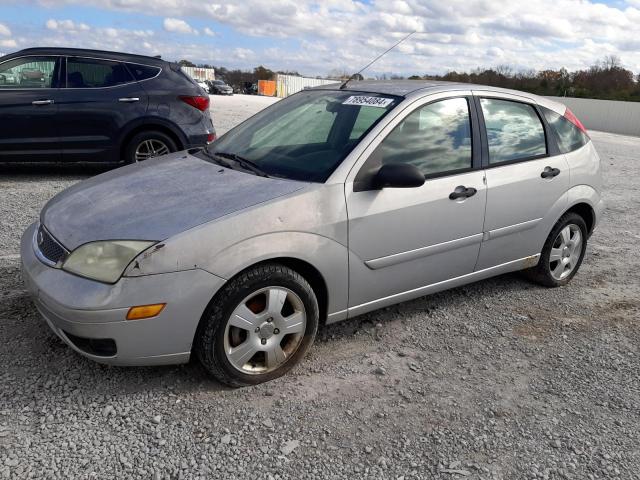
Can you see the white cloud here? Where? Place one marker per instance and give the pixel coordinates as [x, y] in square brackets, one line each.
[8, 43]
[4, 30]
[67, 26]
[346, 34]
[178, 26]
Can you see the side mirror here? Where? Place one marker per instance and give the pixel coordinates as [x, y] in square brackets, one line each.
[398, 175]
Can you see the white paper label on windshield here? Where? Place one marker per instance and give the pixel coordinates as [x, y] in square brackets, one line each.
[380, 102]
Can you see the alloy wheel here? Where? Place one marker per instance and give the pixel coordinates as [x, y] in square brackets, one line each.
[149, 149]
[264, 330]
[565, 252]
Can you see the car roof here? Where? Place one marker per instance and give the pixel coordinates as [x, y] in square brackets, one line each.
[404, 88]
[105, 54]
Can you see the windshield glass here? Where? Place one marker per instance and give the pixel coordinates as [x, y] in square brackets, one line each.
[307, 135]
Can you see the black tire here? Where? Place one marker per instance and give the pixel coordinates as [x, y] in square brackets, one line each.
[139, 138]
[542, 272]
[210, 338]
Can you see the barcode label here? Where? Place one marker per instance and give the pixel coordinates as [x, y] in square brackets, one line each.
[380, 102]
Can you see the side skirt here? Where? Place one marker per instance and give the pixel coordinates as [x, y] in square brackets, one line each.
[512, 266]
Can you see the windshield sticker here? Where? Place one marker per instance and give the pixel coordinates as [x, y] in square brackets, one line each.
[369, 101]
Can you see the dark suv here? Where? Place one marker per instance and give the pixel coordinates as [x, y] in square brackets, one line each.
[93, 106]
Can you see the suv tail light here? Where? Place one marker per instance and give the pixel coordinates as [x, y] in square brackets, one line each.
[568, 114]
[199, 102]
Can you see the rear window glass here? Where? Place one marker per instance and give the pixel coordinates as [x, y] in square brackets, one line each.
[569, 136]
[142, 72]
[514, 130]
[92, 73]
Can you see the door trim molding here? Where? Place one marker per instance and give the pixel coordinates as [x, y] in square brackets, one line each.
[511, 229]
[417, 253]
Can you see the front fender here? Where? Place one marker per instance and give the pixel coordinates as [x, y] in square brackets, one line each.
[329, 257]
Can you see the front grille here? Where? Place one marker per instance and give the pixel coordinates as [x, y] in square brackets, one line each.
[49, 246]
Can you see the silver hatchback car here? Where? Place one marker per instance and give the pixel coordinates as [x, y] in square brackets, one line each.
[327, 205]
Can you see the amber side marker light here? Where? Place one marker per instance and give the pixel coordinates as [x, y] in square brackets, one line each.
[145, 311]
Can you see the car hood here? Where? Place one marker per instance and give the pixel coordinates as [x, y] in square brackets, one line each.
[155, 199]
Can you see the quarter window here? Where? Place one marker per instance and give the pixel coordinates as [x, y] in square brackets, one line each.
[514, 131]
[435, 138]
[569, 136]
[90, 73]
[142, 72]
[28, 72]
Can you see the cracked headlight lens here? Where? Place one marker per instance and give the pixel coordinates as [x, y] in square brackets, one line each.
[104, 261]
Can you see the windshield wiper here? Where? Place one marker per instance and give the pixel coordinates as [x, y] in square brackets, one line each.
[243, 162]
[219, 160]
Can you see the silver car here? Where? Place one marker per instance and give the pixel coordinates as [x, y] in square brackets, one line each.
[329, 204]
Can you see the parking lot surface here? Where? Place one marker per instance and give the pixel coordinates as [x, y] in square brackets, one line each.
[501, 379]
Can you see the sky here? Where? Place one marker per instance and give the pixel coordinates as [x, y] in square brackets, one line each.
[319, 37]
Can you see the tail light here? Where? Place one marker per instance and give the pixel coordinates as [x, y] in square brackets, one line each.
[199, 102]
[568, 114]
[211, 137]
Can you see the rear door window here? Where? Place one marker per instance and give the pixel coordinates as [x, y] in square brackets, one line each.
[94, 73]
[569, 136]
[514, 131]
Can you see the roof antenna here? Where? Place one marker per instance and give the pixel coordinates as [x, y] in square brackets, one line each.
[344, 85]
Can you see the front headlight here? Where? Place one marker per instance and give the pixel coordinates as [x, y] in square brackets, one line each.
[104, 261]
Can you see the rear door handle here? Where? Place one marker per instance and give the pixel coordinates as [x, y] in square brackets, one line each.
[462, 192]
[549, 172]
[42, 102]
[129, 99]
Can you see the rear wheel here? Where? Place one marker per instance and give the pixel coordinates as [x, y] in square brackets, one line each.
[148, 144]
[259, 326]
[562, 253]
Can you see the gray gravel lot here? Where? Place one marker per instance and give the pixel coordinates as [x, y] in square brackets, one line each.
[500, 379]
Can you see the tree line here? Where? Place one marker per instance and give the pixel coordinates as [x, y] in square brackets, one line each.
[606, 79]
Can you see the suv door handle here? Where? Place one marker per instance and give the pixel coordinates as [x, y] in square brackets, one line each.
[42, 102]
[462, 192]
[129, 99]
[550, 172]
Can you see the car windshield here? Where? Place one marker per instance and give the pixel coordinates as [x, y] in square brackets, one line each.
[218, 82]
[305, 136]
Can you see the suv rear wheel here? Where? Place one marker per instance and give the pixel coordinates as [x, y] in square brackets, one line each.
[148, 144]
[562, 253]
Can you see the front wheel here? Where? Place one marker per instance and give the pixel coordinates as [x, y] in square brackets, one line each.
[258, 327]
[563, 252]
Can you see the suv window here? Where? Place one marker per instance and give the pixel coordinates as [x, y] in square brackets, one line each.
[569, 136]
[142, 72]
[436, 138]
[514, 131]
[92, 73]
[29, 72]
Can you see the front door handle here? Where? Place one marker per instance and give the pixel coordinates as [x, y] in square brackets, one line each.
[462, 192]
[42, 102]
[549, 172]
[129, 99]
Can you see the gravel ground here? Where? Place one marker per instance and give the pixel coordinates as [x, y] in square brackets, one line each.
[500, 379]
